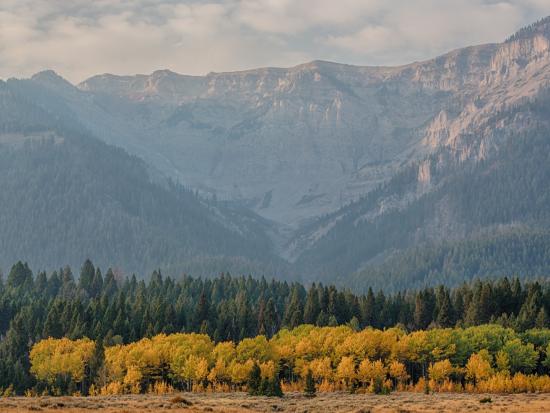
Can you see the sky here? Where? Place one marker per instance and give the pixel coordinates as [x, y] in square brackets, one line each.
[81, 38]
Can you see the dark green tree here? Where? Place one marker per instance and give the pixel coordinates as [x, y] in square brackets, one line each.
[254, 381]
[309, 388]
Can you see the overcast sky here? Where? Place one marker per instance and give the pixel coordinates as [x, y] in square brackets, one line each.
[80, 38]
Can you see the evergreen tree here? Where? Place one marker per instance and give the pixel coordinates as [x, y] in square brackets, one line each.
[273, 387]
[368, 309]
[254, 381]
[445, 313]
[311, 307]
[309, 388]
[86, 280]
[20, 277]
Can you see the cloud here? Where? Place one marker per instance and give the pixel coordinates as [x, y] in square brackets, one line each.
[82, 38]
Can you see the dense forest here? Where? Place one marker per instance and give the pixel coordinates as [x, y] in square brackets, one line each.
[516, 251]
[112, 309]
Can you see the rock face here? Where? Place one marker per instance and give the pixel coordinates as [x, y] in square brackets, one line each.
[290, 143]
[296, 143]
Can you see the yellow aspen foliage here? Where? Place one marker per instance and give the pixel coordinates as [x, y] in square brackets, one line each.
[268, 369]
[220, 372]
[321, 369]
[440, 371]
[256, 348]
[52, 357]
[398, 371]
[479, 367]
[493, 359]
[370, 371]
[201, 369]
[345, 371]
[161, 387]
[195, 369]
[502, 360]
[112, 388]
[239, 371]
[133, 376]
[224, 351]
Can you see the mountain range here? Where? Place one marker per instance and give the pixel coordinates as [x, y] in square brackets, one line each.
[394, 177]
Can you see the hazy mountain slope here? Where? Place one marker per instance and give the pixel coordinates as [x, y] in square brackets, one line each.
[290, 143]
[495, 198]
[65, 196]
[296, 143]
[300, 142]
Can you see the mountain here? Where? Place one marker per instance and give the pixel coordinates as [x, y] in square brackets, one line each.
[477, 205]
[65, 196]
[296, 143]
[332, 171]
[289, 143]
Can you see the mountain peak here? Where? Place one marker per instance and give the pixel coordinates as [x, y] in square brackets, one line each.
[51, 78]
[164, 72]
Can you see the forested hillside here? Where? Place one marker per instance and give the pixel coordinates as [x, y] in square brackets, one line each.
[65, 195]
[515, 251]
[114, 310]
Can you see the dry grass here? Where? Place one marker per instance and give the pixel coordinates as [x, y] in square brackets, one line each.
[240, 402]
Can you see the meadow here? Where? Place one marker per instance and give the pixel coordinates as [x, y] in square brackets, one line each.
[334, 402]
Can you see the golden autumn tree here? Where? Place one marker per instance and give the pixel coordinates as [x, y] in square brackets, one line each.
[371, 371]
[479, 366]
[61, 358]
[440, 371]
[345, 372]
[398, 372]
[321, 369]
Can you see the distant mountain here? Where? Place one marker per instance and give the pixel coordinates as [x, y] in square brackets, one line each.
[463, 207]
[65, 196]
[384, 176]
[289, 143]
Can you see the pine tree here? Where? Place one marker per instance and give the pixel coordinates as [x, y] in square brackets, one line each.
[311, 307]
[202, 311]
[368, 309]
[20, 276]
[445, 316]
[309, 388]
[274, 386]
[254, 380]
[87, 274]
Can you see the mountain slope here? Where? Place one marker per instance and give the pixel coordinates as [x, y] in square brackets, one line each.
[289, 143]
[65, 196]
[296, 143]
[448, 204]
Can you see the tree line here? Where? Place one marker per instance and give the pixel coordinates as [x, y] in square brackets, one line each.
[116, 310]
[487, 358]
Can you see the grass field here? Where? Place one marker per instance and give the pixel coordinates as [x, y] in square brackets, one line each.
[240, 402]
